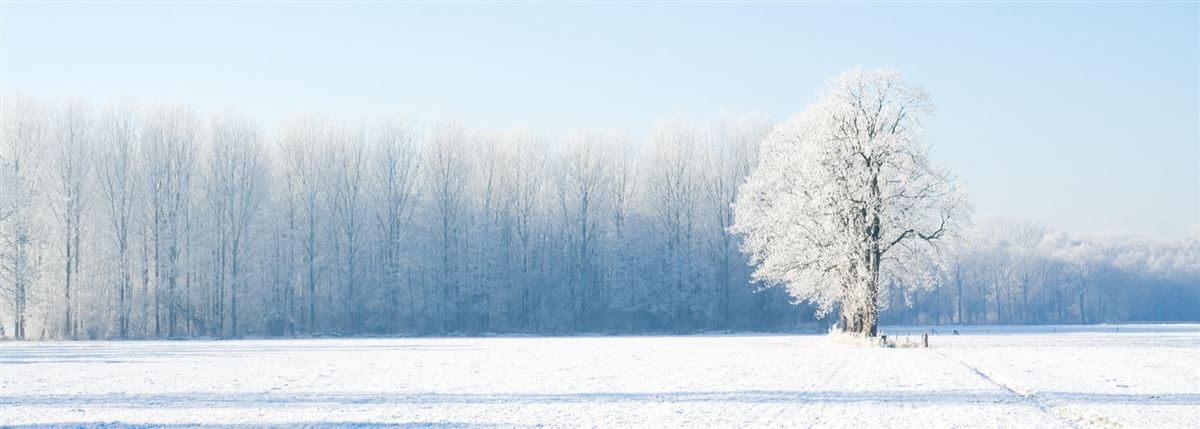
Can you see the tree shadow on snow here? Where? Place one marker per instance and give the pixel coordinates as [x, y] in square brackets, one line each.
[146, 352]
[256, 400]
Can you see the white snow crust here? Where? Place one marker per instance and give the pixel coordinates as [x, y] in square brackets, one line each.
[1102, 376]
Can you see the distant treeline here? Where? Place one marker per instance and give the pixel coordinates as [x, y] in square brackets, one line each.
[154, 221]
[1010, 272]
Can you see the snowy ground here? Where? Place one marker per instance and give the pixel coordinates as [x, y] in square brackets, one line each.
[1127, 376]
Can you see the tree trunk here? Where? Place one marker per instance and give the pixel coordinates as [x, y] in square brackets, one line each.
[870, 317]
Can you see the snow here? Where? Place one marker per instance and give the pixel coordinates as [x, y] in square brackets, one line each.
[1126, 376]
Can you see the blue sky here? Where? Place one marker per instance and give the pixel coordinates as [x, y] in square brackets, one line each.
[1082, 116]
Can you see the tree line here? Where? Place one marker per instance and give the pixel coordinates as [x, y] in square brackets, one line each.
[1020, 272]
[134, 221]
[155, 221]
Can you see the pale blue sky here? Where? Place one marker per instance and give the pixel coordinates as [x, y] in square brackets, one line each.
[1082, 116]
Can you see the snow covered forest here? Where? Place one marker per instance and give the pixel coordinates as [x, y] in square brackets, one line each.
[137, 220]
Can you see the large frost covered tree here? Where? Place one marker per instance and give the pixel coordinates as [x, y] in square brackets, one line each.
[846, 201]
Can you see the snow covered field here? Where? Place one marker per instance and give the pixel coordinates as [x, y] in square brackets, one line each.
[1131, 376]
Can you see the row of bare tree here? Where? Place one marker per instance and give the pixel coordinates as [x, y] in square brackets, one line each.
[1014, 272]
[139, 221]
[155, 221]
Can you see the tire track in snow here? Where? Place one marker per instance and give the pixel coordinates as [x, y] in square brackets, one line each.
[1028, 398]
